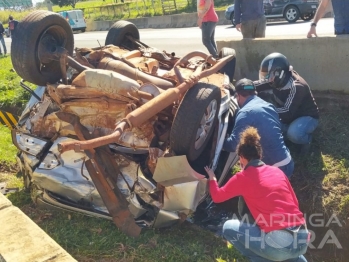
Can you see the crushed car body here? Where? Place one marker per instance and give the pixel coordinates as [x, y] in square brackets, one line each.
[122, 131]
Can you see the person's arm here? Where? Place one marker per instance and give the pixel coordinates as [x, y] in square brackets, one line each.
[234, 187]
[262, 85]
[203, 7]
[237, 14]
[294, 100]
[241, 123]
[318, 15]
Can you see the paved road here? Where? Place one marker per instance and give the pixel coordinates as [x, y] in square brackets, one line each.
[183, 40]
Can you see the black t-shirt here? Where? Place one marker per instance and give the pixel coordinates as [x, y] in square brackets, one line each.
[292, 101]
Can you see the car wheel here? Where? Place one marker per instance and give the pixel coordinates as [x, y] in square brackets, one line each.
[33, 49]
[83, 30]
[119, 32]
[291, 14]
[229, 68]
[195, 120]
[232, 19]
[307, 17]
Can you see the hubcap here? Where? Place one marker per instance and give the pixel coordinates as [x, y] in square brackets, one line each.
[206, 124]
[291, 14]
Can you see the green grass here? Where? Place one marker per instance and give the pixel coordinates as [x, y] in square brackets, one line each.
[93, 239]
[7, 149]
[89, 238]
[11, 94]
[84, 4]
[110, 10]
[4, 14]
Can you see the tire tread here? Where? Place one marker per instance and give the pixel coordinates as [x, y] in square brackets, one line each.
[188, 117]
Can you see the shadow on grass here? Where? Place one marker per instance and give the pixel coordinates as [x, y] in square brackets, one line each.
[94, 239]
[321, 182]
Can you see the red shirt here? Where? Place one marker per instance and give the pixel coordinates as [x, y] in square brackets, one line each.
[267, 193]
[211, 15]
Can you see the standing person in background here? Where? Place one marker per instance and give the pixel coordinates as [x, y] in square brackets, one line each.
[12, 24]
[2, 31]
[341, 17]
[249, 18]
[207, 21]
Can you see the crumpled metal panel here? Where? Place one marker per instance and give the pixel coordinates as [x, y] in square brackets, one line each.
[146, 64]
[184, 197]
[132, 177]
[165, 219]
[97, 115]
[29, 160]
[108, 82]
[96, 112]
[30, 144]
[67, 180]
[184, 187]
[94, 56]
[135, 207]
[50, 125]
[217, 79]
[39, 91]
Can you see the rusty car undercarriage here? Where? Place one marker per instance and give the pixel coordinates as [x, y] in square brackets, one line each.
[121, 131]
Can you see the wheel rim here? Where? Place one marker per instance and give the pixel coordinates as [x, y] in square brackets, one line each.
[127, 43]
[206, 124]
[291, 14]
[51, 40]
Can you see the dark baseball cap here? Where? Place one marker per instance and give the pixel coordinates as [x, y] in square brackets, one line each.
[245, 84]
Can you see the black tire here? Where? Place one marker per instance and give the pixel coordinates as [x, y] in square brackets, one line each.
[292, 14]
[117, 35]
[83, 30]
[225, 51]
[307, 17]
[30, 32]
[232, 19]
[189, 118]
[229, 68]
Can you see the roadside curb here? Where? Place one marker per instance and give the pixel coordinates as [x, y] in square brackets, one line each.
[22, 240]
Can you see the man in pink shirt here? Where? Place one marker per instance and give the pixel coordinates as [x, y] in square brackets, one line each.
[207, 21]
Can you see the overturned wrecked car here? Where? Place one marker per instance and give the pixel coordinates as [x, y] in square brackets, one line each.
[122, 131]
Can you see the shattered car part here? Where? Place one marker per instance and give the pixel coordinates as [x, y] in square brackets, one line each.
[121, 131]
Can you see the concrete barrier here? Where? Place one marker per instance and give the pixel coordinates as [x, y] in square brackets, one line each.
[139, 22]
[168, 21]
[22, 240]
[321, 61]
